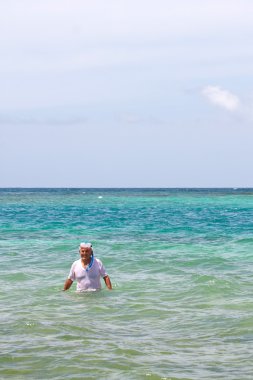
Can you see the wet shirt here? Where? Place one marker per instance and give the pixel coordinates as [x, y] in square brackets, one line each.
[87, 278]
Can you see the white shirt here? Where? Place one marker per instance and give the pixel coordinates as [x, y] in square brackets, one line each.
[89, 278]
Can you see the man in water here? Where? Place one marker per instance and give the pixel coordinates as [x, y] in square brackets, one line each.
[87, 271]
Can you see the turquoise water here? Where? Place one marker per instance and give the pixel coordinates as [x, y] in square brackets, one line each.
[181, 264]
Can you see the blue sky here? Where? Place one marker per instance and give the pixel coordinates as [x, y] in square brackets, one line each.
[126, 93]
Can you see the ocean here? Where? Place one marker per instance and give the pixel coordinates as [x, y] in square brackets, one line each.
[181, 266]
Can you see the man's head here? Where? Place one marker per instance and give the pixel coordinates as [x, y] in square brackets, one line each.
[85, 251]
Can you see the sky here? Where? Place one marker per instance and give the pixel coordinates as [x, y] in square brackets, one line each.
[126, 93]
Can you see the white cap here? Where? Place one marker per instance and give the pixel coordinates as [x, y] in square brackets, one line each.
[85, 245]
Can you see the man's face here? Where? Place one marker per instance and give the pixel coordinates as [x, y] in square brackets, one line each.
[85, 253]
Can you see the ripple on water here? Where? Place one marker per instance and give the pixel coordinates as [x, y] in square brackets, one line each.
[181, 266]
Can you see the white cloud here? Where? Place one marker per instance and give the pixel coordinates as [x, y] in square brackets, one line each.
[221, 97]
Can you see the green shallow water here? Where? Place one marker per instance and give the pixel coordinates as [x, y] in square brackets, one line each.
[181, 264]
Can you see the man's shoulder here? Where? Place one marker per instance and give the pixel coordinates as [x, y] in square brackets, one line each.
[76, 262]
[98, 261]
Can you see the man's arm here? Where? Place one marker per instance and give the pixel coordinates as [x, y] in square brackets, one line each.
[108, 282]
[67, 284]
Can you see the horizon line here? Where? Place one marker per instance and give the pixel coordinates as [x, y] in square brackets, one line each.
[130, 187]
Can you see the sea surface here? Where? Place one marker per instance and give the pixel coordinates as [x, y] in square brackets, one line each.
[181, 265]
